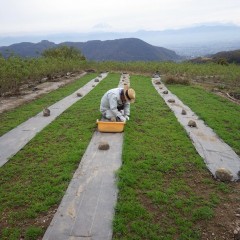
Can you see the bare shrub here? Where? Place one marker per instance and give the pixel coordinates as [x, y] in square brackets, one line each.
[172, 79]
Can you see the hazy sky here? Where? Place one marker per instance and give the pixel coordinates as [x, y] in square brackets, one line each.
[19, 17]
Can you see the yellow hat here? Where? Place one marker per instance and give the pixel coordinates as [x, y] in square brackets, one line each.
[130, 95]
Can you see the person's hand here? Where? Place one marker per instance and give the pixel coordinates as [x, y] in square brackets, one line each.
[122, 119]
[127, 117]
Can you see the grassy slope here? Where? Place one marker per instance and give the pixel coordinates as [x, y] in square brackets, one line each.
[165, 190]
[219, 113]
[34, 181]
[13, 118]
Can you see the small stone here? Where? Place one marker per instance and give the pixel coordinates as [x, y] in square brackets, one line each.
[103, 146]
[237, 215]
[93, 85]
[157, 82]
[184, 112]
[192, 123]
[43, 80]
[79, 94]
[165, 92]
[224, 175]
[96, 80]
[35, 89]
[46, 112]
[160, 87]
[171, 100]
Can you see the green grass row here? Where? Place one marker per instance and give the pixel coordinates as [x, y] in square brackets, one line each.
[218, 113]
[34, 181]
[13, 118]
[165, 190]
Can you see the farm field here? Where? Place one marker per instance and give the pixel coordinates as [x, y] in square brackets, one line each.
[11, 119]
[165, 190]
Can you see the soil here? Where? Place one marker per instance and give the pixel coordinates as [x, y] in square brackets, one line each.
[228, 93]
[27, 94]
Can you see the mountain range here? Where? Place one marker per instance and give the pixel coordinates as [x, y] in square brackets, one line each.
[127, 49]
[193, 41]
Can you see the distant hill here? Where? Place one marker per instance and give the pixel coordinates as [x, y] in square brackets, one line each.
[220, 57]
[127, 49]
[229, 56]
[26, 49]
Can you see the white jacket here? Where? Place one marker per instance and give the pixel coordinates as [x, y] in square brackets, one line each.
[111, 100]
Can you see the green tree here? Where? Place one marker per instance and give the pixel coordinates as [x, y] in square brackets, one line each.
[222, 61]
[64, 52]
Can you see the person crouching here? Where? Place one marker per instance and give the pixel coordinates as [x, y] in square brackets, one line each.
[115, 104]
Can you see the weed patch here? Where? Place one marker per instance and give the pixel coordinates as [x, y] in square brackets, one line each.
[170, 79]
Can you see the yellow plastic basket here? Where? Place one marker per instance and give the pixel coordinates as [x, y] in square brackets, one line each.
[110, 126]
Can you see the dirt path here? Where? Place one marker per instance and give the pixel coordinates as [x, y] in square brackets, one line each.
[27, 95]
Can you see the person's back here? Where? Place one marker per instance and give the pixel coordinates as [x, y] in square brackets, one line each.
[109, 99]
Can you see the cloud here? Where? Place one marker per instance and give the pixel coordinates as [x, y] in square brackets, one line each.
[35, 16]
